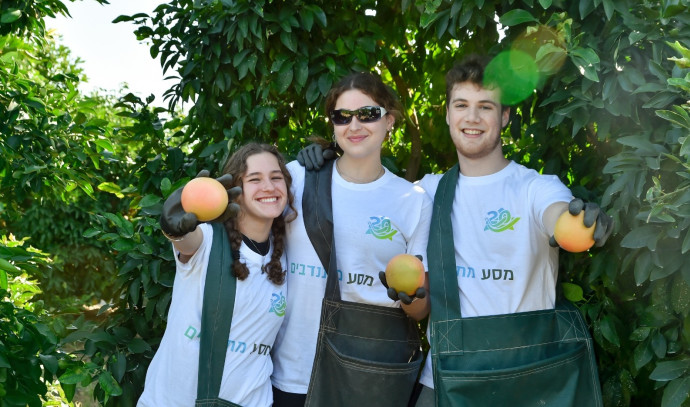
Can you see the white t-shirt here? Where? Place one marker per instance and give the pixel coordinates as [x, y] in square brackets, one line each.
[503, 259]
[372, 223]
[171, 379]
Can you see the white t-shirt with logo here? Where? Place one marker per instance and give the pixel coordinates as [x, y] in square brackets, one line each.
[171, 379]
[503, 259]
[372, 223]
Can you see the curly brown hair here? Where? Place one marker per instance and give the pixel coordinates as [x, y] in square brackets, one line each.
[237, 167]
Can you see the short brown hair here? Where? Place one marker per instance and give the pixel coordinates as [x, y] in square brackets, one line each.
[471, 69]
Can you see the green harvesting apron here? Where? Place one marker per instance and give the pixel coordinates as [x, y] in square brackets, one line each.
[366, 355]
[216, 318]
[537, 358]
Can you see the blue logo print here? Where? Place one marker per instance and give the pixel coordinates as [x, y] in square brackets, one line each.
[500, 221]
[381, 228]
[278, 304]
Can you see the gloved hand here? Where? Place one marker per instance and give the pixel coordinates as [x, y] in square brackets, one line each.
[312, 156]
[401, 296]
[593, 213]
[175, 222]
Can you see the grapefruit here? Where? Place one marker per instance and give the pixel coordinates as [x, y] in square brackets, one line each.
[205, 197]
[405, 273]
[571, 233]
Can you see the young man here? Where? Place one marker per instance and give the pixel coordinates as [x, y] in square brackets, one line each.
[503, 214]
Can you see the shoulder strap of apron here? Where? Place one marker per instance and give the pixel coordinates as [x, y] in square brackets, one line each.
[317, 209]
[443, 282]
[216, 315]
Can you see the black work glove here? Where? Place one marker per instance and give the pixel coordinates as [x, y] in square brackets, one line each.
[175, 222]
[402, 296]
[593, 213]
[312, 156]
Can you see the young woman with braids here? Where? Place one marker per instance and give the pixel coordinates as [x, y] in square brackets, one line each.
[258, 185]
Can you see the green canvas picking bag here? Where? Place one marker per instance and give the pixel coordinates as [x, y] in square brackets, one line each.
[537, 358]
[216, 318]
[366, 355]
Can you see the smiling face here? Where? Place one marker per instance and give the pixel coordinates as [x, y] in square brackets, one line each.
[264, 191]
[475, 119]
[357, 139]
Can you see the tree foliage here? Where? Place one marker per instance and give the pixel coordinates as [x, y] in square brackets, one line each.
[609, 116]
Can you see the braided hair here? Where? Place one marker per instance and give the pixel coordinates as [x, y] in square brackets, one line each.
[237, 167]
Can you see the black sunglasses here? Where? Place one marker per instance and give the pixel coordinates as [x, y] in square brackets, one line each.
[366, 114]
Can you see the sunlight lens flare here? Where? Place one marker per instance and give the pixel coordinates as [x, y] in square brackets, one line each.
[515, 73]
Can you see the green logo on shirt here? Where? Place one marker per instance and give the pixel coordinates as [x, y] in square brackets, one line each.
[500, 221]
[381, 228]
[278, 304]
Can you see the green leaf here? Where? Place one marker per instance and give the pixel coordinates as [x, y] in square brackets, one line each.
[636, 36]
[288, 39]
[7, 266]
[640, 237]
[91, 232]
[686, 241]
[685, 52]
[212, 149]
[118, 365]
[150, 200]
[572, 292]
[608, 8]
[658, 344]
[669, 370]
[608, 330]
[138, 345]
[109, 384]
[642, 355]
[112, 188]
[643, 268]
[74, 375]
[10, 15]
[515, 17]
[166, 186]
[587, 61]
[679, 118]
[284, 78]
[50, 362]
[123, 245]
[640, 334]
[676, 393]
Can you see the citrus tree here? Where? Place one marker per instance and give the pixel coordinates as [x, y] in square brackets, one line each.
[62, 155]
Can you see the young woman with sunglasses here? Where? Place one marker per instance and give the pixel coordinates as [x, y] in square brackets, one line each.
[376, 215]
[255, 226]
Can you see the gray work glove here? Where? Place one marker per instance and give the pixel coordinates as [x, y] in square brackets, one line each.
[175, 222]
[593, 213]
[312, 156]
[401, 296]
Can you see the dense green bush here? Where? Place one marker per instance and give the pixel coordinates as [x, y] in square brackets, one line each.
[30, 356]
